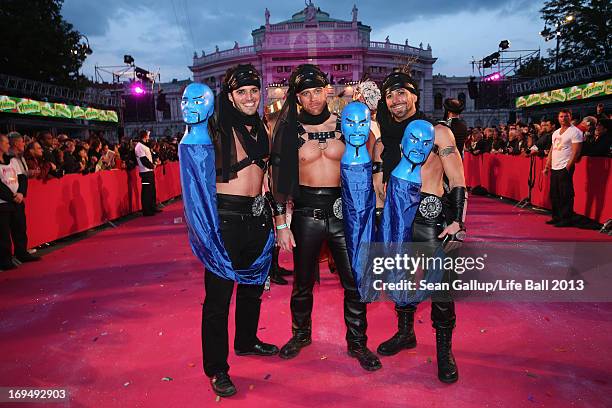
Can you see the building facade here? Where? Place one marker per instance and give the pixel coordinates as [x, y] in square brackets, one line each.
[341, 48]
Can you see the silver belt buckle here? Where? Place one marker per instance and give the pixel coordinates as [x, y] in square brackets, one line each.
[258, 206]
[338, 208]
[430, 207]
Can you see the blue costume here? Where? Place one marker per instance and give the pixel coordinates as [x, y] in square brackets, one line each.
[402, 202]
[198, 175]
[358, 200]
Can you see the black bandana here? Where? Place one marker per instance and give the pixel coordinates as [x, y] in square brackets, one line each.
[397, 80]
[307, 76]
[243, 75]
[254, 142]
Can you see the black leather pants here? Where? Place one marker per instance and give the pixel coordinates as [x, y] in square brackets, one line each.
[310, 231]
[426, 228]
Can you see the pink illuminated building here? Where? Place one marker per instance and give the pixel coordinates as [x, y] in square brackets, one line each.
[341, 48]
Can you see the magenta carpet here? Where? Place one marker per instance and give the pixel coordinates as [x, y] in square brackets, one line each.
[115, 319]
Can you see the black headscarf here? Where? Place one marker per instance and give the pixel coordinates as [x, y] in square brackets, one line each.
[254, 142]
[392, 131]
[285, 173]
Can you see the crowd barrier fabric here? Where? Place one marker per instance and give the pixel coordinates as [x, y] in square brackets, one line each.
[74, 203]
[507, 176]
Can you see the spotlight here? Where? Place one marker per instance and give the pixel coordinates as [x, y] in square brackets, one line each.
[490, 60]
[138, 89]
[494, 77]
[128, 59]
[504, 45]
[142, 74]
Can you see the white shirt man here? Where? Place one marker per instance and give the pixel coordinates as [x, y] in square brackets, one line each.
[143, 151]
[562, 146]
[144, 158]
[564, 152]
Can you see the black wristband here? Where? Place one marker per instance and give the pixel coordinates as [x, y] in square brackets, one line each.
[277, 208]
[457, 198]
[376, 167]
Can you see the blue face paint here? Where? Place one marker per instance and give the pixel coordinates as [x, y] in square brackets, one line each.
[197, 105]
[355, 124]
[417, 143]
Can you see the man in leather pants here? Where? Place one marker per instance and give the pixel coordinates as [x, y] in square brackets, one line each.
[306, 168]
[433, 222]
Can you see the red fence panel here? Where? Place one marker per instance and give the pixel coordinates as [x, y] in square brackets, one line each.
[61, 207]
[507, 176]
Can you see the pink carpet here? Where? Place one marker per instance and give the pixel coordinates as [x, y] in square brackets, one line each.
[111, 316]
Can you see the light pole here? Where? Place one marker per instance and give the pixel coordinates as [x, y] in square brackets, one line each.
[549, 34]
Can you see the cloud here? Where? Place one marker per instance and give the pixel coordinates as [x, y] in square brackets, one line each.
[164, 33]
[458, 39]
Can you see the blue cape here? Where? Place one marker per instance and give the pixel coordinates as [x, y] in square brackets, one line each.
[197, 163]
[358, 214]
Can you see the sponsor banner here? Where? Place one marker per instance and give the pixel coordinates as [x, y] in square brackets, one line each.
[572, 93]
[26, 106]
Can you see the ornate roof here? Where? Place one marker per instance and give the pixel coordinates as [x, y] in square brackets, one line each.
[310, 13]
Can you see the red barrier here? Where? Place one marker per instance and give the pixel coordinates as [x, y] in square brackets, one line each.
[75, 203]
[507, 176]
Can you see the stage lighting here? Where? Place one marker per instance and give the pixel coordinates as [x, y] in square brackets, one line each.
[504, 45]
[128, 59]
[490, 60]
[141, 74]
[496, 76]
[137, 89]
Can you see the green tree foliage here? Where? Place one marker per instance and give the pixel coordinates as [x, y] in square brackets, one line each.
[584, 40]
[533, 68]
[37, 43]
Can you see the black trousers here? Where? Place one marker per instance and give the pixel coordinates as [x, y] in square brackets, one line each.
[309, 234]
[442, 306]
[18, 230]
[562, 194]
[244, 237]
[7, 213]
[148, 195]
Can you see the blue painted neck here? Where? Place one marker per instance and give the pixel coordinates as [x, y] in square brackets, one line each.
[405, 170]
[197, 134]
[350, 155]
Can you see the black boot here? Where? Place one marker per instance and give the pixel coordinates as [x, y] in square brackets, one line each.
[222, 385]
[275, 276]
[447, 368]
[404, 338]
[367, 359]
[294, 345]
[284, 272]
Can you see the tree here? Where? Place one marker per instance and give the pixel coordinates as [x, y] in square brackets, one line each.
[37, 43]
[533, 68]
[585, 39]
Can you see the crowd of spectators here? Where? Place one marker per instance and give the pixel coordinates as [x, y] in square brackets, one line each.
[48, 155]
[535, 139]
